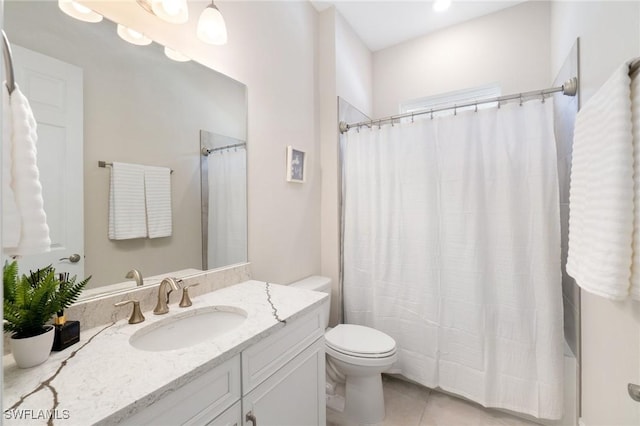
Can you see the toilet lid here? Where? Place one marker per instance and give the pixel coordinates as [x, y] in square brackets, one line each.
[360, 340]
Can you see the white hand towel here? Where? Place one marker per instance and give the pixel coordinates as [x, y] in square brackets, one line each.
[127, 217]
[157, 182]
[635, 124]
[25, 178]
[602, 191]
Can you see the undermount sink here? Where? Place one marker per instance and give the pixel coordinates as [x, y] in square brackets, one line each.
[188, 328]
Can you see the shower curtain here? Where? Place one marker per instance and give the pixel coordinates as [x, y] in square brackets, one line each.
[227, 207]
[452, 247]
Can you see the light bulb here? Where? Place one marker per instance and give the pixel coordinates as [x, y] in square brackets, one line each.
[172, 11]
[79, 11]
[441, 5]
[133, 36]
[211, 26]
[176, 56]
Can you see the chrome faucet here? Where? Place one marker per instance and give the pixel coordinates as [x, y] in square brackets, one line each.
[136, 275]
[163, 295]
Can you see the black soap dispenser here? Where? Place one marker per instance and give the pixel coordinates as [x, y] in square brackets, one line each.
[66, 332]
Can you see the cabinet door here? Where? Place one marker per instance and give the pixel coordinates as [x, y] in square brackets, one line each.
[231, 417]
[294, 395]
[195, 403]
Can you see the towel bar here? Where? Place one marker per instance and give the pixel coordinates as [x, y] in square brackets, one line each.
[104, 164]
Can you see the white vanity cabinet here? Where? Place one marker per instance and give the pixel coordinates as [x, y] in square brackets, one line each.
[277, 381]
[283, 376]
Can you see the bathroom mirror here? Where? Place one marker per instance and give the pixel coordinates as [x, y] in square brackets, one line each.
[138, 107]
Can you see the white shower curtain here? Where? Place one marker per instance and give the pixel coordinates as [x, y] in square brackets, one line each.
[452, 247]
[227, 239]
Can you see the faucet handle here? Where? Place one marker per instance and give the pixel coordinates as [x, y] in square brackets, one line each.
[186, 300]
[136, 314]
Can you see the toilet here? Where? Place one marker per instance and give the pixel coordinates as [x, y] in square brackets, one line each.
[355, 355]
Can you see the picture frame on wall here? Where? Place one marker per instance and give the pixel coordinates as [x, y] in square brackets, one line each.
[296, 165]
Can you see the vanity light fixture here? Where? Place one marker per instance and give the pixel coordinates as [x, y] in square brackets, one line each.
[441, 5]
[133, 36]
[176, 56]
[172, 11]
[79, 11]
[211, 26]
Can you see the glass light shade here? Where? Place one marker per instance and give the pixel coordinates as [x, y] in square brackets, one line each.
[133, 36]
[79, 11]
[211, 26]
[172, 11]
[176, 56]
[441, 5]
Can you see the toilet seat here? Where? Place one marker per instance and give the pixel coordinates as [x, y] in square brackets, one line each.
[359, 342]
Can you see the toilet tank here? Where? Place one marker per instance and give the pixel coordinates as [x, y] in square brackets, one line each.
[317, 283]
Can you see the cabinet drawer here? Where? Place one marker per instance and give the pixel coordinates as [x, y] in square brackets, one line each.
[267, 356]
[197, 402]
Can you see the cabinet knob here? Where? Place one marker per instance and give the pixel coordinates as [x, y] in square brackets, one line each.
[251, 418]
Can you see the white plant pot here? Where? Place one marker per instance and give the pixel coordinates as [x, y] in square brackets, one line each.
[32, 351]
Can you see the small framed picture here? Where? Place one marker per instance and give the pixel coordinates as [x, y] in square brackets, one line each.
[296, 165]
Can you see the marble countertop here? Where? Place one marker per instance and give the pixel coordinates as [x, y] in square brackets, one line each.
[103, 379]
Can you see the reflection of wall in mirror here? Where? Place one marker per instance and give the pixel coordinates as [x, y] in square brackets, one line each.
[139, 107]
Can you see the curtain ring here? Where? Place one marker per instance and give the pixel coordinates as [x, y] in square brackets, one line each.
[432, 113]
[379, 124]
[520, 99]
[498, 104]
[412, 117]
[476, 110]
[542, 94]
[455, 110]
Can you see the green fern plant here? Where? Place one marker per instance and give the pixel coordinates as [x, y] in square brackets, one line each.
[30, 301]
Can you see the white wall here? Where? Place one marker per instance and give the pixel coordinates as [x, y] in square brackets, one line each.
[271, 49]
[609, 34]
[510, 47]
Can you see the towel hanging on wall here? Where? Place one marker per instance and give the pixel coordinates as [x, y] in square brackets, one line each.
[127, 217]
[157, 186]
[25, 229]
[602, 196]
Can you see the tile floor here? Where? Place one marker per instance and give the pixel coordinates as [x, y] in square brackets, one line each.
[407, 404]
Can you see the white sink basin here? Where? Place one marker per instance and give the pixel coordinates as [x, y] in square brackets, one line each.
[188, 328]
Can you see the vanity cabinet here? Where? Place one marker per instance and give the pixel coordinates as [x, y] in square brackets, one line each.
[277, 381]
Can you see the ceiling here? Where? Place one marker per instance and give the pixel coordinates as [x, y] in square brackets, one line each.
[381, 24]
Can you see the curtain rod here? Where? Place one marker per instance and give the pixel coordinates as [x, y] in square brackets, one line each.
[569, 88]
[206, 151]
[8, 63]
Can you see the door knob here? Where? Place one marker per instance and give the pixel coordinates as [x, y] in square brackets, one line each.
[74, 258]
[634, 392]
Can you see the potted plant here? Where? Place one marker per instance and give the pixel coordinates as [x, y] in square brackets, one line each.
[30, 302]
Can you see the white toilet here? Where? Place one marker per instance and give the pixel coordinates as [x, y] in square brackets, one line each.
[356, 355]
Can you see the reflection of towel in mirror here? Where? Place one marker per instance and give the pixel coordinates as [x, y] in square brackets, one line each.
[127, 217]
[25, 230]
[157, 184]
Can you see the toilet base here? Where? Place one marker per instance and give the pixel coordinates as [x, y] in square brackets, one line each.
[364, 399]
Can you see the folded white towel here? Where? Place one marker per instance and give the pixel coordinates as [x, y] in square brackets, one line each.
[602, 191]
[157, 183]
[24, 179]
[635, 124]
[127, 217]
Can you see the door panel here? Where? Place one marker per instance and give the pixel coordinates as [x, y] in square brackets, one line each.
[54, 89]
